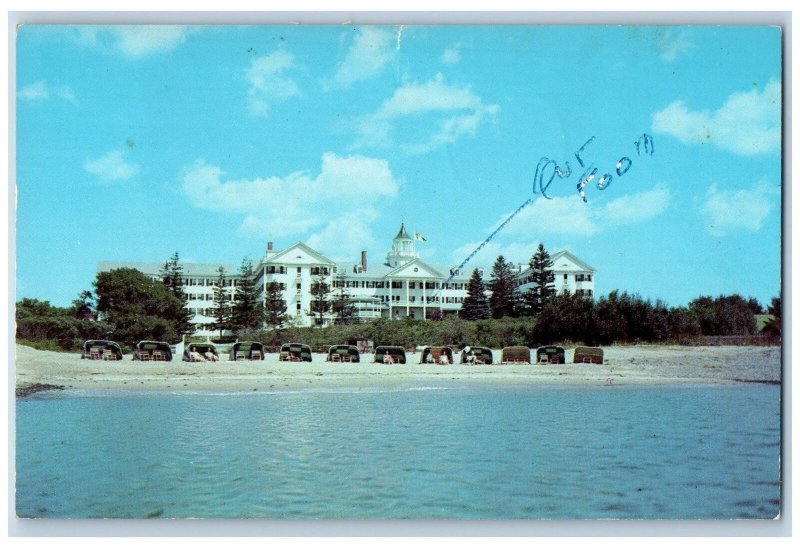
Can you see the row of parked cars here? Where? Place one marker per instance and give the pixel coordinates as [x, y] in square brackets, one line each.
[296, 352]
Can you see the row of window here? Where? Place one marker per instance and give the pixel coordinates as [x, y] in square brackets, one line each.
[428, 300]
[371, 284]
[578, 278]
[201, 282]
[315, 270]
[209, 282]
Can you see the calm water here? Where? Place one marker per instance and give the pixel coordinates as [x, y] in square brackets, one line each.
[449, 452]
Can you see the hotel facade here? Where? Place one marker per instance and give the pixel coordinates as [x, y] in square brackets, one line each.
[403, 285]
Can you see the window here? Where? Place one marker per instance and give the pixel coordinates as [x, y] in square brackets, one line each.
[298, 307]
[412, 298]
[412, 285]
[565, 277]
[589, 278]
[299, 286]
[298, 270]
[397, 285]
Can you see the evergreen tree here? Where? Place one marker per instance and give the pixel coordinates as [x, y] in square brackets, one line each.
[505, 295]
[83, 306]
[342, 303]
[274, 306]
[755, 306]
[222, 305]
[543, 289]
[245, 313]
[172, 276]
[475, 305]
[773, 325]
[320, 299]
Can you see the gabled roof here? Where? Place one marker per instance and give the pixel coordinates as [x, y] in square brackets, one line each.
[402, 234]
[567, 255]
[561, 256]
[415, 263]
[287, 255]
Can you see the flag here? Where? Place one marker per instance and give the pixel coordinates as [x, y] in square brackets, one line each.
[420, 237]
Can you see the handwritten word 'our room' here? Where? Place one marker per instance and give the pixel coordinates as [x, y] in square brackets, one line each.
[548, 169]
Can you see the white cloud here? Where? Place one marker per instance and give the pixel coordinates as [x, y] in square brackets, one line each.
[345, 236]
[40, 91]
[66, 93]
[269, 81]
[729, 211]
[748, 123]
[673, 42]
[451, 55]
[514, 252]
[371, 49]
[562, 216]
[141, 40]
[34, 92]
[111, 166]
[134, 41]
[634, 208]
[337, 204]
[569, 215]
[455, 111]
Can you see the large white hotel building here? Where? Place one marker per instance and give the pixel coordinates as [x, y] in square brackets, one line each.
[402, 286]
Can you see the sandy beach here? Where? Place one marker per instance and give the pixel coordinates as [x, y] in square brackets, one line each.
[624, 365]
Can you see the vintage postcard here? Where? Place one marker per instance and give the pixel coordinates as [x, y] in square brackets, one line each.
[395, 272]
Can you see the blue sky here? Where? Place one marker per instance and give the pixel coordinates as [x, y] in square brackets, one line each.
[135, 142]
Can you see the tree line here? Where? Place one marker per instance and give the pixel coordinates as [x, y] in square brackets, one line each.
[618, 317]
[128, 306]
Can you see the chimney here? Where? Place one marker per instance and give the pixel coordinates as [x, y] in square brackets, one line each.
[363, 261]
[269, 246]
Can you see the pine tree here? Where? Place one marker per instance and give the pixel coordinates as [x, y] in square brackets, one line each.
[543, 289]
[773, 325]
[320, 299]
[222, 307]
[172, 276]
[245, 313]
[342, 303]
[274, 306]
[505, 295]
[475, 305]
[83, 306]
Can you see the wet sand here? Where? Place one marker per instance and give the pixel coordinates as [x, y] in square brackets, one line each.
[624, 365]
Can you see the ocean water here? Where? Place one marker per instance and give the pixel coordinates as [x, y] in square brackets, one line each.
[544, 452]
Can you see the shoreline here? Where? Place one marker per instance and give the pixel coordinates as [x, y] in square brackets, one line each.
[623, 365]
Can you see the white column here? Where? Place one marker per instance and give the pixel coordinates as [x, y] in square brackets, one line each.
[408, 307]
[390, 298]
[424, 302]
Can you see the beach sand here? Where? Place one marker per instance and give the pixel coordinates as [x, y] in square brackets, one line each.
[624, 365]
